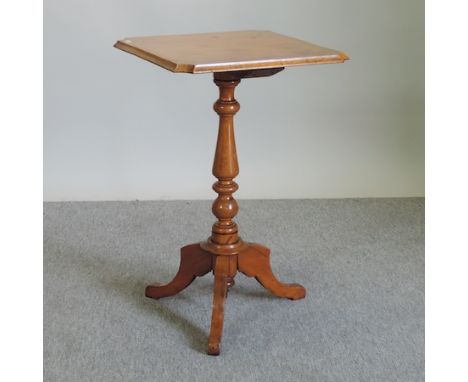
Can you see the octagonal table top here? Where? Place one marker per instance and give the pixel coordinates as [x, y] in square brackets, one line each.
[228, 51]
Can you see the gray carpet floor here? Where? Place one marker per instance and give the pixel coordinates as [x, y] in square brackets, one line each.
[361, 261]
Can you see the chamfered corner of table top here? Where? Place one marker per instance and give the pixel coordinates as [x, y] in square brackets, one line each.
[228, 51]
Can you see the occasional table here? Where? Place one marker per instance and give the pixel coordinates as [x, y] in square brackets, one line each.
[231, 56]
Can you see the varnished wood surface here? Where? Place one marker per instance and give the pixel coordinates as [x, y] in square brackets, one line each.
[194, 262]
[224, 252]
[227, 51]
[255, 262]
[224, 269]
[224, 238]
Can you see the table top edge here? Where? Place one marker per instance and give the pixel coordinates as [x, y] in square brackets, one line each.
[174, 67]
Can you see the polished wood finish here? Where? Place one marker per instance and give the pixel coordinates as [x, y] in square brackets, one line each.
[225, 269]
[194, 262]
[225, 252]
[227, 51]
[224, 238]
[232, 56]
[255, 262]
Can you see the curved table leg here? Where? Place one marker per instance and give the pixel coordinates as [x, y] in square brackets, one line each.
[255, 262]
[225, 268]
[194, 262]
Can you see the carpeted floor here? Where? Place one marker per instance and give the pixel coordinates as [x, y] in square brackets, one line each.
[361, 261]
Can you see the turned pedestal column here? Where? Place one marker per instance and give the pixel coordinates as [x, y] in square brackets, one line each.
[225, 252]
[231, 56]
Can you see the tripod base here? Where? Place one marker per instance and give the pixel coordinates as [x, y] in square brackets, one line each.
[253, 261]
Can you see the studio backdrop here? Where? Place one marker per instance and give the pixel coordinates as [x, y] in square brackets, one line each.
[119, 128]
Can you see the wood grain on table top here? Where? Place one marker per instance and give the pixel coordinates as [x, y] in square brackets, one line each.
[227, 51]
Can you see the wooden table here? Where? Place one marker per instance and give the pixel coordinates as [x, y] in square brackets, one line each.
[231, 56]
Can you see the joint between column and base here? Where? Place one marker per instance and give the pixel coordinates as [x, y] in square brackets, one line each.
[224, 249]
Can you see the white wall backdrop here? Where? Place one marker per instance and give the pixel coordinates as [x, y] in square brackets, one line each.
[114, 130]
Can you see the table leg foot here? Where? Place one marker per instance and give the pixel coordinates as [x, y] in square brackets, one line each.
[255, 262]
[194, 262]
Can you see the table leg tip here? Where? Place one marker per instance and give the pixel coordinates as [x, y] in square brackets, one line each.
[151, 291]
[213, 349]
[299, 292]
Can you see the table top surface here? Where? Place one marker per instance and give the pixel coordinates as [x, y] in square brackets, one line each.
[227, 51]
